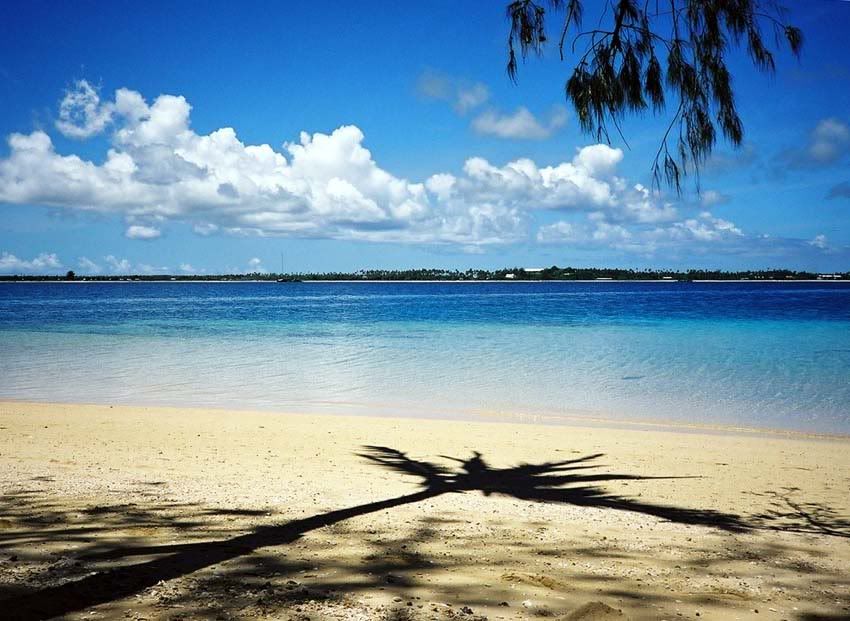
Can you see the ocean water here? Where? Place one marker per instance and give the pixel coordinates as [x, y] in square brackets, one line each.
[772, 355]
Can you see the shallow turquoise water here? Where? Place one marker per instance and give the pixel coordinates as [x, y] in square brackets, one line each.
[760, 354]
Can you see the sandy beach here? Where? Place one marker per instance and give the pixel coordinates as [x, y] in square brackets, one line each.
[157, 513]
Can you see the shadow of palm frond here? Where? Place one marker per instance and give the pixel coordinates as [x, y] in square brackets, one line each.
[568, 482]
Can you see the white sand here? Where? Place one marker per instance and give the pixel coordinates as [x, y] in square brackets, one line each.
[174, 513]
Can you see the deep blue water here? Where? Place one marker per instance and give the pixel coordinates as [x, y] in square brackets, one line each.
[754, 354]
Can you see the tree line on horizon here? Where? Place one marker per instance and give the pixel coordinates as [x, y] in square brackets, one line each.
[510, 274]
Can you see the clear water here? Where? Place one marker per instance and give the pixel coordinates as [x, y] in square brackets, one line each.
[763, 354]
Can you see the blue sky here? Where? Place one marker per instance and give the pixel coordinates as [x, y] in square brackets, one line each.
[134, 141]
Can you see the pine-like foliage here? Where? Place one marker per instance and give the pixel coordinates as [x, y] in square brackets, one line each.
[643, 54]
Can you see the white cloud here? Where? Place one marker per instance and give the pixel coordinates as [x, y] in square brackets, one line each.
[521, 124]
[685, 240]
[558, 233]
[704, 228]
[820, 241]
[587, 183]
[255, 264]
[137, 231]
[610, 234]
[709, 198]
[81, 113]
[9, 263]
[88, 266]
[187, 268]
[598, 159]
[639, 204]
[640, 237]
[118, 266]
[158, 170]
[205, 228]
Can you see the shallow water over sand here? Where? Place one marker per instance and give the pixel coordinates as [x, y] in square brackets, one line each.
[761, 354]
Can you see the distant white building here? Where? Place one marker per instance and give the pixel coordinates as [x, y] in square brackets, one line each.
[510, 276]
[829, 276]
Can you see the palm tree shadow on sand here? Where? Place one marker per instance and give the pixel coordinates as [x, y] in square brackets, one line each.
[572, 482]
[568, 482]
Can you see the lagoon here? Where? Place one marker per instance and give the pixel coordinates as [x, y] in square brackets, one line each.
[765, 355]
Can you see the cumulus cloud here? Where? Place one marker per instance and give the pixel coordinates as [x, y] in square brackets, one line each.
[159, 170]
[585, 183]
[188, 268]
[639, 204]
[138, 231]
[9, 263]
[704, 228]
[521, 124]
[81, 113]
[116, 265]
[820, 241]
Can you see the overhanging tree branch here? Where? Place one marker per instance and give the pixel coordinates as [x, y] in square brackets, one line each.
[647, 54]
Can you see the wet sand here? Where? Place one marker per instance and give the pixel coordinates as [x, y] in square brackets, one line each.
[157, 513]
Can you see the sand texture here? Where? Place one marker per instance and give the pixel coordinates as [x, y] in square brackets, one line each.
[154, 513]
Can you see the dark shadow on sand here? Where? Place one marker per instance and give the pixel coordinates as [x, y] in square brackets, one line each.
[573, 482]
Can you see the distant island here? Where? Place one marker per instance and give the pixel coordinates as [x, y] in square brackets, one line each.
[505, 274]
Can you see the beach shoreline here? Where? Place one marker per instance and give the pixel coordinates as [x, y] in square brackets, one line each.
[576, 418]
[198, 513]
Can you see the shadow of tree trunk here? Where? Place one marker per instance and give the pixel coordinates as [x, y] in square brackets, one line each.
[179, 560]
